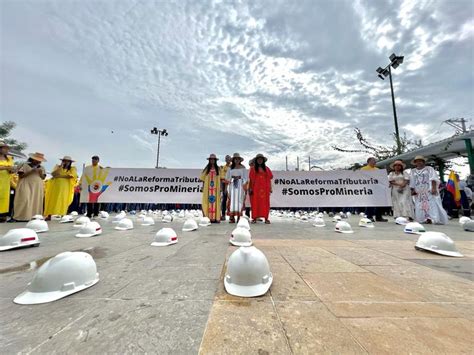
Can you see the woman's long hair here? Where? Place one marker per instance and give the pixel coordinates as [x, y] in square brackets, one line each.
[258, 166]
[68, 166]
[208, 167]
[232, 165]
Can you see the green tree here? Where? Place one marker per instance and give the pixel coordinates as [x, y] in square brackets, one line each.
[6, 129]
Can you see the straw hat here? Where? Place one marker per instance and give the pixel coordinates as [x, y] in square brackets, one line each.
[398, 162]
[37, 156]
[3, 144]
[418, 157]
[237, 156]
[260, 156]
[67, 157]
[213, 156]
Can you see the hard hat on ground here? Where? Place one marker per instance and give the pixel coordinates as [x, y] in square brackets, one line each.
[66, 273]
[103, 214]
[240, 237]
[124, 224]
[438, 243]
[19, 238]
[55, 217]
[148, 221]
[319, 222]
[90, 229]
[190, 225]
[243, 223]
[468, 226]
[414, 228]
[366, 222]
[74, 213]
[204, 222]
[401, 221]
[164, 237]
[67, 219]
[37, 216]
[336, 218]
[80, 221]
[167, 218]
[348, 214]
[343, 227]
[248, 273]
[119, 217]
[464, 219]
[38, 225]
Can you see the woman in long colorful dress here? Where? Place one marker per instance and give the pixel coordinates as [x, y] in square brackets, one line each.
[29, 194]
[60, 192]
[402, 201]
[211, 192]
[6, 167]
[236, 180]
[424, 187]
[260, 188]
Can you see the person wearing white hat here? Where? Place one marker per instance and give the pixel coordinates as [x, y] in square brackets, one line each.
[124, 224]
[60, 191]
[402, 201]
[424, 187]
[6, 169]
[211, 191]
[29, 193]
[237, 182]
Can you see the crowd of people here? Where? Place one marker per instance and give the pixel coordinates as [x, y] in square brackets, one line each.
[228, 190]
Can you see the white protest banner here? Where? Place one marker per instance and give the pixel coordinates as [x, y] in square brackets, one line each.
[339, 188]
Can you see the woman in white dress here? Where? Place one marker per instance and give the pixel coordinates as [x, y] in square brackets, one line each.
[424, 187]
[399, 181]
[236, 180]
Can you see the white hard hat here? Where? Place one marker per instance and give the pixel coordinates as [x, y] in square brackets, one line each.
[304, 218]
[188, 215]
[243, 223]
[348, 214]
[167, 218]
[468, 226]
[464, 219]
[124, 224]
[119, 217]
[67, 219]
[437, 242]
[204, 222]
[164, 237]
[37, 216]
[74, 213]
[18, 238]
[181, 214]
[366, 222]
[401, 220]
[190, 225]
[343, 227]
[336, 218]
[38, 225]
[90, 229]
[148, 221]
[319, 222]
[414, 228]
[66, 273]
[320, 215]
[362, 214]
[165, 212]
[103, 214]
[80, 221]
[240, 237]
[55, 217]
[248, 273]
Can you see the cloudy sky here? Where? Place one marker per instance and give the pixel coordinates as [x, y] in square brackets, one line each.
[286, 78]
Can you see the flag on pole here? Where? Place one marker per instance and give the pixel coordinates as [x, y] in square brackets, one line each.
[453, 187]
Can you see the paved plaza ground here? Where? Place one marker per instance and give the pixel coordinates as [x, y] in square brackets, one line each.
[367, 292]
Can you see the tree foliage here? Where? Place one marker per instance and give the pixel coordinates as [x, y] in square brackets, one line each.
[6, 129]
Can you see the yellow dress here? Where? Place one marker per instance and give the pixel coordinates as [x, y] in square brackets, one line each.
[5, 185]
[211, 194]
[60, 191]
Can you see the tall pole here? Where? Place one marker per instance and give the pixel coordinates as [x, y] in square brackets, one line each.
[309, 163]
[397, 134]
[297, 163]
[286, 162]
[158, 151]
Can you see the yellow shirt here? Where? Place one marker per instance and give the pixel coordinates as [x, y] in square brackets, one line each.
[368, 167]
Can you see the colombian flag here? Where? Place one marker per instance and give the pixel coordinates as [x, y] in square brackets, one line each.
[453, 187]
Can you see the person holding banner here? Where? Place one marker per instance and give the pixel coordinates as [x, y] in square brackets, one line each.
[260, 188]
[237, 181]
[211, 192]
[60, 192]
[424, 187]
[373, 213]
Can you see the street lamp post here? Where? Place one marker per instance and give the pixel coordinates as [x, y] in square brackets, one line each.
[395, 61]
[159, 133]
